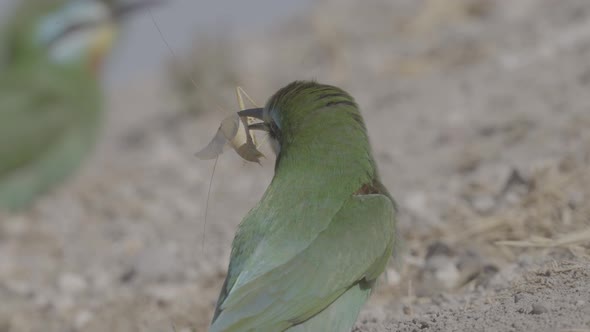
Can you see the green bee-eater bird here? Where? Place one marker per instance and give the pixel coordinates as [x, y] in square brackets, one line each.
[50, 102]
[307, 256]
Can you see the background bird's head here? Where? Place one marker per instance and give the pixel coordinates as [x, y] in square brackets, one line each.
[70, 32]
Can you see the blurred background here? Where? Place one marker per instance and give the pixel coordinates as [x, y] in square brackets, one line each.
[479, 116]
[139, 52]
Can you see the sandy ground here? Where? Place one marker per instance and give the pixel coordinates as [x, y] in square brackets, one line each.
[479, 115]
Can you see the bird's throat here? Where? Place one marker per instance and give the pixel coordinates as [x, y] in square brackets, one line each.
[101, 47]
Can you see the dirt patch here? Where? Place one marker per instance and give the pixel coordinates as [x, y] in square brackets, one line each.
[479, 116]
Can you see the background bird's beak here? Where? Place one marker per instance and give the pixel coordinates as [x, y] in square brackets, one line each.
[122, 11]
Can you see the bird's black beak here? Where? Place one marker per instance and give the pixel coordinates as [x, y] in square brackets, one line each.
[122, 11]
[256, 113]
[252, 113]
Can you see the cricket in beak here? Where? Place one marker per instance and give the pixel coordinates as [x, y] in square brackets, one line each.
[234, 131]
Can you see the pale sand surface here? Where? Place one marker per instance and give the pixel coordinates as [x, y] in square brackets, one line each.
[479, 115]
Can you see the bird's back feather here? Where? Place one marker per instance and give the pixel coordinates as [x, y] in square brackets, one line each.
[351, 251]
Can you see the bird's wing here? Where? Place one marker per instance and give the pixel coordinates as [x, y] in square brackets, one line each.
[37, 106]
[353, 248]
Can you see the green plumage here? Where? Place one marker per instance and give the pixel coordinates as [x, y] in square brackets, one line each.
[306, 257]
[49, 112]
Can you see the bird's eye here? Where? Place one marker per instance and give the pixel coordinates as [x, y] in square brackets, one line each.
[274, 118]
[274, 123]
[273, 130]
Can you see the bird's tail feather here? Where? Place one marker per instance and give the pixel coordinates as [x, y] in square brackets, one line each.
[339, 316]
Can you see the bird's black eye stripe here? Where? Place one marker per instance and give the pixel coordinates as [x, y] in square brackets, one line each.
[341, 102]
[274, 131]
[341, 98]
[329, 95]
[71, 29]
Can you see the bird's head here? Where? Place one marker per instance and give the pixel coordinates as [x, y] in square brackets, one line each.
[74, 31]
[307, 108]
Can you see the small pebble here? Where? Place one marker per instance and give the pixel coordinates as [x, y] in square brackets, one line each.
[63, 304]
[392, 277]
[71, 283]
[42, 300]
[408, 310]
[19, 287]
[15, 226]
[448, 275]
[483, 204]
[518, 297]
[438, 249]
[82, 319]
[538, 309]
[164, 293]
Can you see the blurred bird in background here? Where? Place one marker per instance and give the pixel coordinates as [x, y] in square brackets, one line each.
[50, 101]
